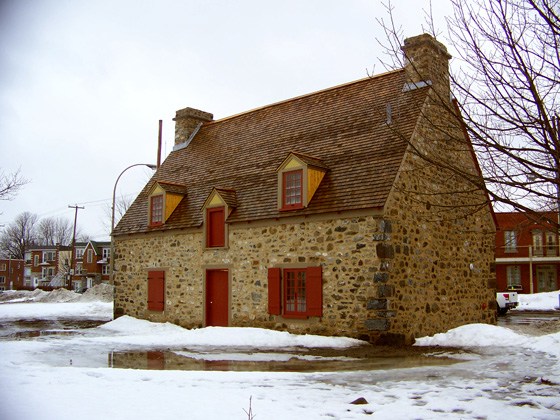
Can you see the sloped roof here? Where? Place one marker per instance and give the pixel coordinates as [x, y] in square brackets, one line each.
[98, 245]
[344, 126]
[520, 220]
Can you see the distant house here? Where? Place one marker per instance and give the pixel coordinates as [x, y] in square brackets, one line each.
[312, 215]
[47, 266]
[91, 264]
[11, 274]
[527, 258]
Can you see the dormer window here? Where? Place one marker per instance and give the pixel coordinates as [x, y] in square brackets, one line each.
[156, 212]
[163, 199]
[299, 177]
[218, 206]
[293, 191]
[216, 228]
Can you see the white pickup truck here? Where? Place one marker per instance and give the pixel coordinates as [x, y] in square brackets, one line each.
[506, 301]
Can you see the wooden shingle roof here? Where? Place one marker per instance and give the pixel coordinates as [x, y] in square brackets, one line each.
[343, 128]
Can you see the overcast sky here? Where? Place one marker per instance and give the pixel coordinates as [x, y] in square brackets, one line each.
[83, 83]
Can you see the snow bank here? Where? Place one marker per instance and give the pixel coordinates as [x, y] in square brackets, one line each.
[57, 296]
[98, 311]
[146, 333]
[539, 302]
[483, 335]
[101, 293]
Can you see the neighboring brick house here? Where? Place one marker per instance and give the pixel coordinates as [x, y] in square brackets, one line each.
[527, 258]
[48, 265]
[310, 215]
[91, 264]
[11, 274]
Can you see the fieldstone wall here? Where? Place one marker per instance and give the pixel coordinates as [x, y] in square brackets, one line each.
[382, 282]
[345, 248]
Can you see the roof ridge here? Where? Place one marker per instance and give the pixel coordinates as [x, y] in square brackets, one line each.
[304, 95]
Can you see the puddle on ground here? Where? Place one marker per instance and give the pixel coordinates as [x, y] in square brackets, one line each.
[279, 362]
[225, 359]
[22, 329]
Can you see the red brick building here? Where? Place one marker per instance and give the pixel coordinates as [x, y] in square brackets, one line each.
[11, 274]
[48, 265]
[527, 259]
[91, 264]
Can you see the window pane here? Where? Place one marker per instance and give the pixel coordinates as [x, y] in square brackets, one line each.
[510, 240]
[295, 293]
[513, 276]
[157, 209]
[292, 188]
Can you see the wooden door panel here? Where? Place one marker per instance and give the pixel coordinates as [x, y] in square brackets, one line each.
[217, 298]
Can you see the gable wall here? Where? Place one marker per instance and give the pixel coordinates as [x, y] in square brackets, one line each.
[442, 274]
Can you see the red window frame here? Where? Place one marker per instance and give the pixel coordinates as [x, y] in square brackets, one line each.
[215, 227]
[295, 292]
[156, 210]
[292, 190]
[156, 290]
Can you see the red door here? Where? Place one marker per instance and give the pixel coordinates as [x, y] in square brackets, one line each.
[217, 298]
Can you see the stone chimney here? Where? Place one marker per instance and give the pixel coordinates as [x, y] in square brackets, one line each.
[187, 122]
[427, 62]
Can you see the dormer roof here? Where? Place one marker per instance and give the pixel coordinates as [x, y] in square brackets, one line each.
[226, 196]
[306, 160]
[169, 187]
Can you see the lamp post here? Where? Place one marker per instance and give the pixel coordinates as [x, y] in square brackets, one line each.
[112, 261]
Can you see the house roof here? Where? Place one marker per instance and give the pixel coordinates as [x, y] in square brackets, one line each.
[98, 245]
[343, 128]
[519, 220]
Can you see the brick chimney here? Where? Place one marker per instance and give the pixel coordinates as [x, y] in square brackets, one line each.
[187, 121]
[427, 61]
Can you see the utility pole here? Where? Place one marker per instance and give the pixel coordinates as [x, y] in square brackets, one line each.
[76, 207]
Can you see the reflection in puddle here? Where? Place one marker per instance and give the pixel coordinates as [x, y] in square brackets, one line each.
[33, 334]
[23, 329]
[263, 362]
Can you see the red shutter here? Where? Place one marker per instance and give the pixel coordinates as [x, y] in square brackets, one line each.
[156, 287]
[216, 227]
[314, 285]
[274, 296]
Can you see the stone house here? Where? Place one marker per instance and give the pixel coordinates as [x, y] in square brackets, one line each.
[314, 215]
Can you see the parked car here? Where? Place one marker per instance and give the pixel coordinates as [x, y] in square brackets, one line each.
[506, 301]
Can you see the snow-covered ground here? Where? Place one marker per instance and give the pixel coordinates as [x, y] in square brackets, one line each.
[499, 373]
[539, 302]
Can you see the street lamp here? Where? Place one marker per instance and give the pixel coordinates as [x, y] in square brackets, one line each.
[112, 261]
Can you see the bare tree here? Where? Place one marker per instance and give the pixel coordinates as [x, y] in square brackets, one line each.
[122, 204]
[10, 184]
[506, 78]
[18, 236]
[53, 231]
